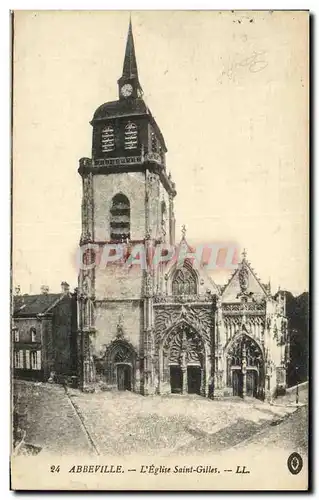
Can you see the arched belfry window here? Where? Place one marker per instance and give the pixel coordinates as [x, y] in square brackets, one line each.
[184, 282]
[130, 136]
[107, 139]
[120, 218]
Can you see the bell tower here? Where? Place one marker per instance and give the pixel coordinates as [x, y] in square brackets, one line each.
[128, 200]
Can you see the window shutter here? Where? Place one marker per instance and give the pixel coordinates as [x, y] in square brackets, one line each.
[108, 141]
[130, 136]
[120, 218]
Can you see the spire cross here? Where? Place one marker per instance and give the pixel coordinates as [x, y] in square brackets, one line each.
[244, 254]
[183, 230]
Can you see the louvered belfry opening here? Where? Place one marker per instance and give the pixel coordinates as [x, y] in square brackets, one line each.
[107, 139]
[120, 218]
[130, 139]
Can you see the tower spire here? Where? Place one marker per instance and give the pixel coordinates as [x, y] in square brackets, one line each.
[129, 85]
[129, 65]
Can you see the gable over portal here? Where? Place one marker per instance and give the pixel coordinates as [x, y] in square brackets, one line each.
[186, 271]
[244, 282]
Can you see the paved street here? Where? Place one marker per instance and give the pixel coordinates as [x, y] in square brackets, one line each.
[291, 434]
[127, 423]
[51, 421]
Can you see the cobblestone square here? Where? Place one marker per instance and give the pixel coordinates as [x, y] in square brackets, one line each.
[124, 423]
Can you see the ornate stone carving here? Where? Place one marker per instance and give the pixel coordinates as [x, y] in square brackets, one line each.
[119, 328]
[86, 286]
[122, 354]
[199, 319]
[243, 278]
[123, 160]
[153, 157]
[182, 299]
[251, 307]
[151, 178]
[148, 284]
[243, 347]
[184, 346]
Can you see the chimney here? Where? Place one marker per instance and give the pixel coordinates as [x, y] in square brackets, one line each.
[44, 289]
[65, 287]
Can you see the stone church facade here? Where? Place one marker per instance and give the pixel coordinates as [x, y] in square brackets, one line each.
[167, 328]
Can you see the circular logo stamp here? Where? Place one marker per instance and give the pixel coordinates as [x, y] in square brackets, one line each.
[294, 463]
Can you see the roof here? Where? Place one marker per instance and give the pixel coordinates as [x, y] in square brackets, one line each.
[127, 107]
[122, 107]
[32, 305]
[129, 65]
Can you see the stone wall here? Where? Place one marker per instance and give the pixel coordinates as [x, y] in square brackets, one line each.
[105, 187]
[108, 314]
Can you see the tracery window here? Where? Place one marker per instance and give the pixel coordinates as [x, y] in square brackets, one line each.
[107, 139]
[184, 282]
[120, 218]
[130, 136]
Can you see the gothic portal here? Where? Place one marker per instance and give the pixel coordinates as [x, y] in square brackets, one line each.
[168, 330]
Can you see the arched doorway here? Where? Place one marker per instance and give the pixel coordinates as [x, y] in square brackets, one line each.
[120, 365]
[245, 367]
[124, 377]
[183, 358]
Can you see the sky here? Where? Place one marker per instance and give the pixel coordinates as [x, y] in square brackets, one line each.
[230, 94]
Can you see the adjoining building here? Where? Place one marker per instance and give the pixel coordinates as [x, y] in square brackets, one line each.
[44, 334]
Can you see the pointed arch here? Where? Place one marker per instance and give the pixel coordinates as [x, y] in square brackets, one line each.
[245, 366]
[120, 214]
[184, 281]
[183, 359]
[119, 365]
[238, 337]
[120, 351]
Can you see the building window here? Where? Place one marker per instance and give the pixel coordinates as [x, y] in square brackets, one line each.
[184, 282]
[33, 334]
[107, 139]
[35, 360]
[120, 218]
[16, 335]
[130, 136]
[18, 359]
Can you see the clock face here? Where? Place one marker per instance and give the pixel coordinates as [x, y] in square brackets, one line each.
[126, 90]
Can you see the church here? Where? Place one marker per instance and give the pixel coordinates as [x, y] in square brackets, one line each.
[167, 329]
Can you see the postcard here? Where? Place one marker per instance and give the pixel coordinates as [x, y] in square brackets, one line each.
[160, 228]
